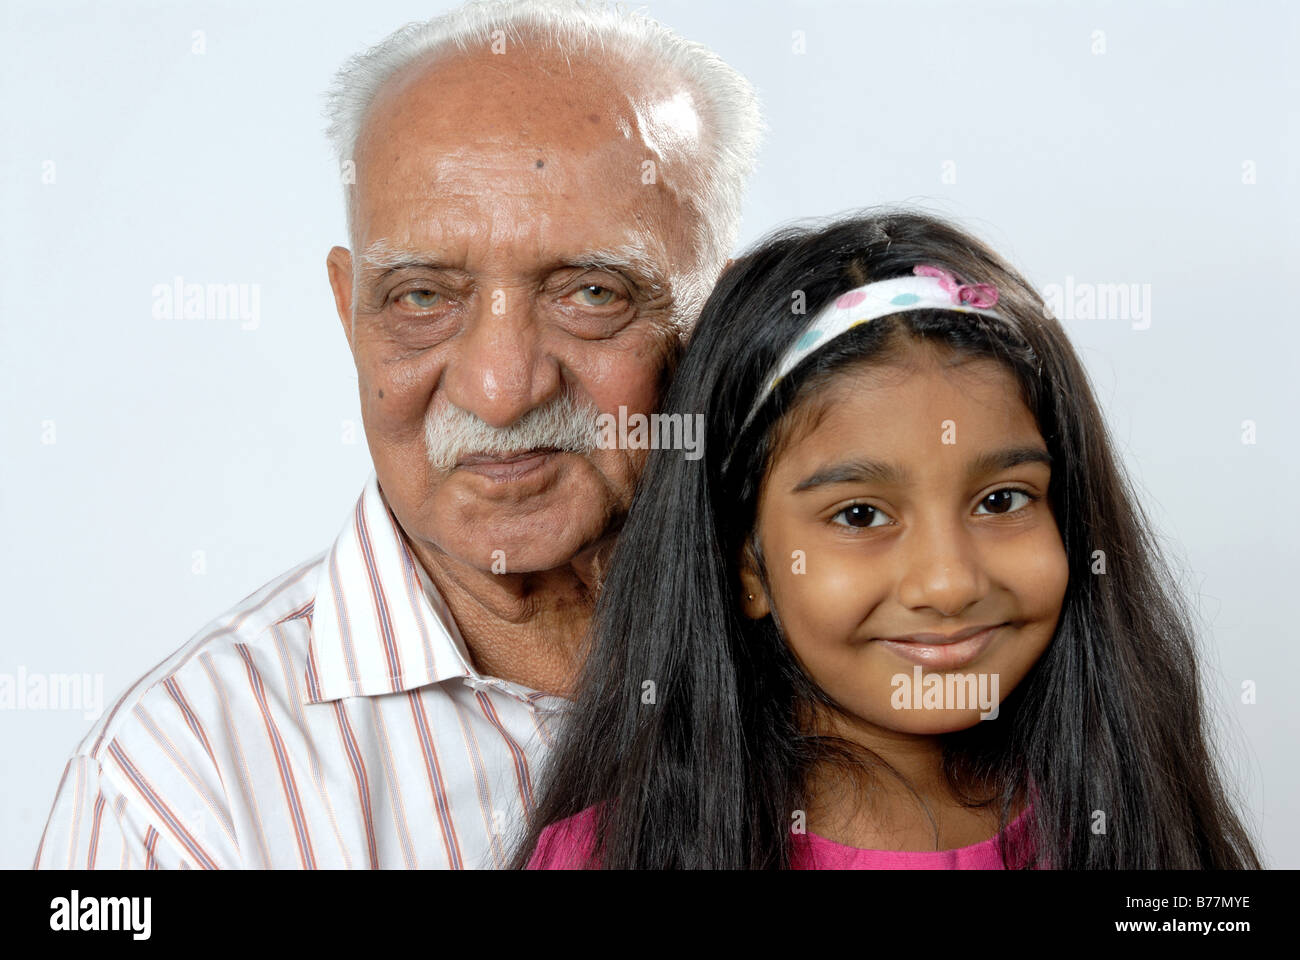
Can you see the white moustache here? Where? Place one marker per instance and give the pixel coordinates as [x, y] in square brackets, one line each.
[565, 423]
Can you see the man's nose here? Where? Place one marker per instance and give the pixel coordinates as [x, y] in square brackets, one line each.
[500, 369]
[941, 568]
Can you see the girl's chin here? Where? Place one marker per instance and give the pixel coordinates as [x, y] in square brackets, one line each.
[931, 722]
[943, 721]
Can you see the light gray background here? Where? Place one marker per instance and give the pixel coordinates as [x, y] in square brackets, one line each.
[175, 436]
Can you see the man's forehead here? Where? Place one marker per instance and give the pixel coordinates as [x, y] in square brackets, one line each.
[481, 156]
[528, 120]
[518, 168]
[538, 200]
[525, 95]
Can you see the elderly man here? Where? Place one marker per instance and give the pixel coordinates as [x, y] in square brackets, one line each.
[539, 198]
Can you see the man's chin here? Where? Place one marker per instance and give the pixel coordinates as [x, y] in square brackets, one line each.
[527, 541]
[524, 558]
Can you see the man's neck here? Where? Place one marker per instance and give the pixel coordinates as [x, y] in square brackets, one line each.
[528, 628]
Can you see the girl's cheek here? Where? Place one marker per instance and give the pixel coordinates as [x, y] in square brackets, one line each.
[824, 597]
[1039, 572]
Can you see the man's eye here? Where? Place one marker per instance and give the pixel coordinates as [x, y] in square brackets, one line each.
[421, 299]
[594, 295]
[861, 515]
[1005, 501]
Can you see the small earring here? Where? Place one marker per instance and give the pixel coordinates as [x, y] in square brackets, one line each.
[751, 596]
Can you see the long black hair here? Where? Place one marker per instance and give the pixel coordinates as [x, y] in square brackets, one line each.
[686, 732]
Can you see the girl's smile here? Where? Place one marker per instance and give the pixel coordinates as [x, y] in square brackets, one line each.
[906, 521]
[943, 651]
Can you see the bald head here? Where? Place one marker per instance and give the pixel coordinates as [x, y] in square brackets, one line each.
[528, 143]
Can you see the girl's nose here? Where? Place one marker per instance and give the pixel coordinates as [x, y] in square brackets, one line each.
[940, 570]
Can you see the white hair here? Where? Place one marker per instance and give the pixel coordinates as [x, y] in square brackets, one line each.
[726, 102]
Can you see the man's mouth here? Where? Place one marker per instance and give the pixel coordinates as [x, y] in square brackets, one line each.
[507, 466]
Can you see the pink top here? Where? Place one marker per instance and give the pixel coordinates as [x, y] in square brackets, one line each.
[566, 845]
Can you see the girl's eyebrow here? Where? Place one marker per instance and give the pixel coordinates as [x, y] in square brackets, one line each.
[877, 471]
[853, 471]
[996, 460]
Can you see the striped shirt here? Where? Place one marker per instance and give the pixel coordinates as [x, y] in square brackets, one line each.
[333, 718]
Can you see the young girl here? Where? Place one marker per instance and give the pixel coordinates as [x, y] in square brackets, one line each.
[904, 612]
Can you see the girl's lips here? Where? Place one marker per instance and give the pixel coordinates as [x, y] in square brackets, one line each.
[944, 653]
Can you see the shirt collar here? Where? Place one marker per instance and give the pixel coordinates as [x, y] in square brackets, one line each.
[378, 625]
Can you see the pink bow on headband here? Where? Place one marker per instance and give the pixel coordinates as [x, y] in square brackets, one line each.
[983, 295]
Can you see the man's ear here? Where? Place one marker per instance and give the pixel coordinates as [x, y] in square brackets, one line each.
[754, 602]
[339, 265]
[730, 261]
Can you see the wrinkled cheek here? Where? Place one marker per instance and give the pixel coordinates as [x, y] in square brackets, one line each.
[633, 388]
[614, 377]
[630, 467]
[407, 389]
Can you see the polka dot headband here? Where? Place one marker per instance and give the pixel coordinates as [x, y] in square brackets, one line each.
[930, 288]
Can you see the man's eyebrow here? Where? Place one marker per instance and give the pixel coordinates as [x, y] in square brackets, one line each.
[382, 255]
[877, 471]
[631, 260]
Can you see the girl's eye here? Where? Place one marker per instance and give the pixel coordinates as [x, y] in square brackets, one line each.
[594, 295]
[1004, 501]
[422, 299]
[861, 515]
